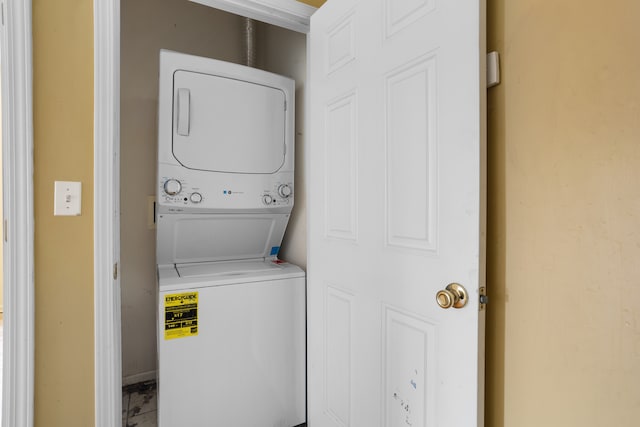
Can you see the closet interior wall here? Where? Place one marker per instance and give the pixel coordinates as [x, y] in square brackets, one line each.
[146, 27]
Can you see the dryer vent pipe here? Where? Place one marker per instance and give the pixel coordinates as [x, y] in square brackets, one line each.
[249, 38]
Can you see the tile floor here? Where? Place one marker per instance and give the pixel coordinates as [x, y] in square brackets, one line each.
[139, 405]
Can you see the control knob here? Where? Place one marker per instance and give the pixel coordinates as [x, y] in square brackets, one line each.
[172, 187]
[284, 190]
[196, 197]
[267, 199]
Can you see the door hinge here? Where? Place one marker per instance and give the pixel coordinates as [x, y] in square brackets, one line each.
[115, 271]
[484, 299]
[493, 69]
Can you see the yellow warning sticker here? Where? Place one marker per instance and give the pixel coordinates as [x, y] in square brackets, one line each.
[180, 315]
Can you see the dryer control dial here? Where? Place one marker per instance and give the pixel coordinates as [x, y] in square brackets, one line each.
[267, 199]
[284, 190]
[172, 187]
[196, 197]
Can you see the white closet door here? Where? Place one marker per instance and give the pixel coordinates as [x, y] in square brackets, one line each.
[396, 207]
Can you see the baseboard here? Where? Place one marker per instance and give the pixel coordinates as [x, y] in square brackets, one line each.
[139, 378]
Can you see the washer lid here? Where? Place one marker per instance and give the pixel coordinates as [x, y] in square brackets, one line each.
[222, 124]
[224, 273]
[237, 268]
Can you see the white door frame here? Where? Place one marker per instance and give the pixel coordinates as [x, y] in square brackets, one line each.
[18, 272]
[106, 206]
[108, 362]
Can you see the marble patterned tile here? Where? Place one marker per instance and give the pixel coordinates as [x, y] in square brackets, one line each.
[139, 405]
[142, 401]
[148, 419]
[138, 400]
[125, 406]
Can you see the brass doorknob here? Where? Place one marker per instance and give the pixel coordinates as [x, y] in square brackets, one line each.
[454, 295]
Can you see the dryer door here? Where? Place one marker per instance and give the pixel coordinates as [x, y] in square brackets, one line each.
[222, 124]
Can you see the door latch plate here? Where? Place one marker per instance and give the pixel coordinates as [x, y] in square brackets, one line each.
[484, 299]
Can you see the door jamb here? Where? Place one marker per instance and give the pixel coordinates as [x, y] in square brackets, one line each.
[106, 235]
[107, 322]
[18, 263]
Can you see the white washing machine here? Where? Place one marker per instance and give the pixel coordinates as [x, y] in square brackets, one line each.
[232, 351]
[231, 315]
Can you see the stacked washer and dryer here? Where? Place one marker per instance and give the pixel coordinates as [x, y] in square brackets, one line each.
[231, 315]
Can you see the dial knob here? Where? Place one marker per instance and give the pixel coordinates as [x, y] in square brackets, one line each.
[267, 199]
[172, 187]
[196, 197]
[284, 191]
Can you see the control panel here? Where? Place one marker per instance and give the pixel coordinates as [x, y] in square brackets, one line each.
[178, 192]
[175, 191]
[279, 195]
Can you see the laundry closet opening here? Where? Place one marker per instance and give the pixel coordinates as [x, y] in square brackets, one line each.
[180, 25]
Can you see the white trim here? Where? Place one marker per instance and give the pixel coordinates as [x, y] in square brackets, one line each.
[289, 14]
[17, 137]
[108, 358]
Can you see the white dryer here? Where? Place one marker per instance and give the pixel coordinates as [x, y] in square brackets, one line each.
[226, 154]
[231, 316]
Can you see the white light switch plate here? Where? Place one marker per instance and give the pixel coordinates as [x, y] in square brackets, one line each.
[67, 198]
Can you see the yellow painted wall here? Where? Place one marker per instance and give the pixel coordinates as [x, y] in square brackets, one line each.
[63, 150]
[316, 3]
[2, 218]
[564, 215]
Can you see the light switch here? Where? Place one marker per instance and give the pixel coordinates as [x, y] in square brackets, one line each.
[67, 198]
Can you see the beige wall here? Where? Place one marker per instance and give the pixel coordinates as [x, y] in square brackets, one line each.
[63, 150]
[176, 25]
[564, 215]
[316, 3]
[2, 221]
